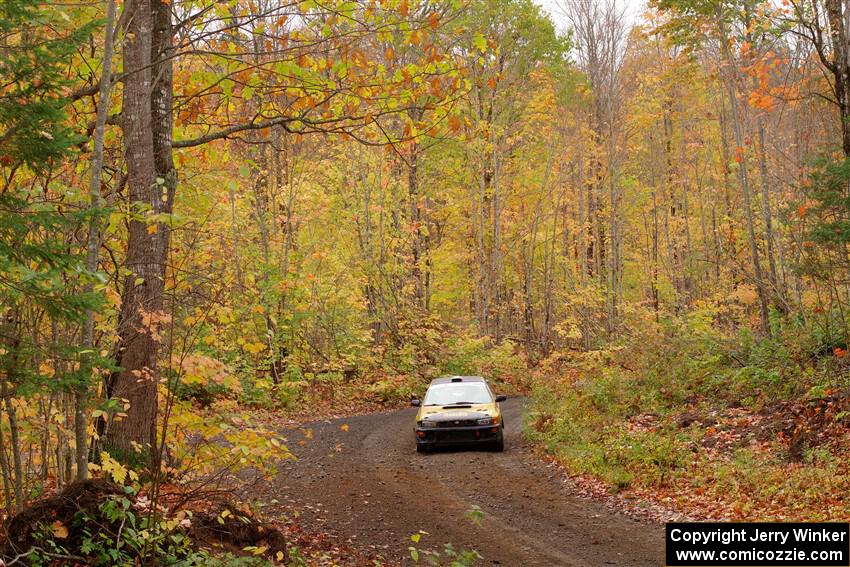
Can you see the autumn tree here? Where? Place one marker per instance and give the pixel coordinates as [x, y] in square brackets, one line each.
[38, 265]
[310, 68]
[509, 41]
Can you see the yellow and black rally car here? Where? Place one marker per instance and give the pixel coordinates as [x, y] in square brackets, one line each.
[458, 410]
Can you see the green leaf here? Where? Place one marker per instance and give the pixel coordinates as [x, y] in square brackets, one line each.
[480, 42]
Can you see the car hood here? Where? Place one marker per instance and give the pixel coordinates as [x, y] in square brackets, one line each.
[440, 413]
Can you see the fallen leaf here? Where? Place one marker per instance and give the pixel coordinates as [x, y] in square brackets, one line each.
[59, 530]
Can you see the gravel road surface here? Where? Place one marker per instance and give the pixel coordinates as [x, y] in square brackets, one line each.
[362, 478]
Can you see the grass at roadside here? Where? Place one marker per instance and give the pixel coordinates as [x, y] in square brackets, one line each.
[711, 426]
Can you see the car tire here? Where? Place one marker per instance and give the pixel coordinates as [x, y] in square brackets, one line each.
[498, 445]
[422, 448]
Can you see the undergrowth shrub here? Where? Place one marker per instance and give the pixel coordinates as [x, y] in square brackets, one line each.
[677, 407]
[466, 355]
[393, 390]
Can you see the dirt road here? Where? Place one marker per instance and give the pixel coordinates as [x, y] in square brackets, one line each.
[363, 477]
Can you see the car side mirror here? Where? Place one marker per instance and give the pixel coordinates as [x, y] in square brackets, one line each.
[501, 398]
[415, 403]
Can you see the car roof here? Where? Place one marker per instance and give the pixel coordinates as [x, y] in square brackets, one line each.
[456, 379]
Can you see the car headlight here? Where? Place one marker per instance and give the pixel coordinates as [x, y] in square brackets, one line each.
[489, 420]
[425, 424]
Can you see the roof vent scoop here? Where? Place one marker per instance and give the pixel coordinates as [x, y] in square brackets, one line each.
[457, 379]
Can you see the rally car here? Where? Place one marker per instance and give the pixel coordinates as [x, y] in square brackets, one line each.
[459, 410]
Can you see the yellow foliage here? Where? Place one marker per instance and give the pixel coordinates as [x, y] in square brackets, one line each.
[255, 347]
[222, 438]
[201, 369]
[114, 470]
[746, 294]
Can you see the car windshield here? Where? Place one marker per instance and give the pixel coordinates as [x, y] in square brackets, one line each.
[456, 393]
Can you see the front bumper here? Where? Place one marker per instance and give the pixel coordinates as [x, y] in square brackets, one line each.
[457, 435]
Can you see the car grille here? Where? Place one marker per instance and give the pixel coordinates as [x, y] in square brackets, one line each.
[457, 423]
[461, 435]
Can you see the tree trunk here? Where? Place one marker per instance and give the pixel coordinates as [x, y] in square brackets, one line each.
[151, 181]
[767, 217]
[655, 302]
[81, 394]
[496, 251]
[17, 461]
[840, 67]
[415, 205]
[743, 177]
[6, 471]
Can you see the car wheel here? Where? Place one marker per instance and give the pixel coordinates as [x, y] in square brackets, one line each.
[421, 448]
[498, 445]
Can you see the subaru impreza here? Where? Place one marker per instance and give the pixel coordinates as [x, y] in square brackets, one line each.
[459, 410]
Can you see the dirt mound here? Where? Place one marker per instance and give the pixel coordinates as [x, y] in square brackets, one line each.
[26, 529]
[233, 530]
[801, 424]
[75, 512]
[818, 422]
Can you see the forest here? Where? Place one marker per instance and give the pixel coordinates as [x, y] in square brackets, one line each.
[219, 216]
